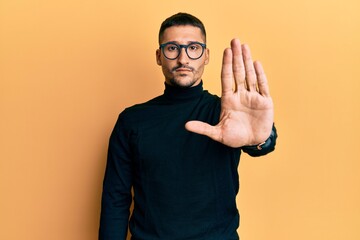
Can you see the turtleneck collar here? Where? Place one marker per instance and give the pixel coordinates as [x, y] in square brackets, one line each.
[178, 93]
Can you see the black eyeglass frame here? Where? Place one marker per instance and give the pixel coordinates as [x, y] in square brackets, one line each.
[180, 46]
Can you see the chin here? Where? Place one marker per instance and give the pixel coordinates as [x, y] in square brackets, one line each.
[184, 83]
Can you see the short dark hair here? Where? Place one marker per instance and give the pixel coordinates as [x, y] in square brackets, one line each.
[181, 19]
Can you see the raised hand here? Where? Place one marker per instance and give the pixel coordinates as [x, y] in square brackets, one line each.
[247, 113]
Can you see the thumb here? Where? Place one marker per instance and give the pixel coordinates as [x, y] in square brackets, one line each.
[203, 129]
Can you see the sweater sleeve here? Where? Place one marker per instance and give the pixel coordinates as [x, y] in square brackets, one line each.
[116, 195]
[267, 147]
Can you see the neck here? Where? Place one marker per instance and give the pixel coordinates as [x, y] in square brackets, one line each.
[174, 83]
[183, 93]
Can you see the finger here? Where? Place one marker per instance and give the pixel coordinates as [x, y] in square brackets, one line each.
[226, 71]
[261, 79]
[203, 129]
[238, 64]
[249, 68]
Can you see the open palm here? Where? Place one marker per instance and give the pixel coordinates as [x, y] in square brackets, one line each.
[247, 109]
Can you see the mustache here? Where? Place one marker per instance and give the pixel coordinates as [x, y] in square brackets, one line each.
[182, 66]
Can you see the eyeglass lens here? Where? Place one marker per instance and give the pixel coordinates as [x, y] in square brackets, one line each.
[193, 50]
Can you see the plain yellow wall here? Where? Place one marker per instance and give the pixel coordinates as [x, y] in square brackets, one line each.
[67, 68]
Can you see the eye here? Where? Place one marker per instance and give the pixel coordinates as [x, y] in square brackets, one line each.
[194, 47]
[172, 48]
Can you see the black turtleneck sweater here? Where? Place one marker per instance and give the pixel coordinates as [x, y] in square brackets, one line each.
[184, 184]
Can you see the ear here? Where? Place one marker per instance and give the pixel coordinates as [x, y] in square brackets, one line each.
[158, 57]
[207, 56]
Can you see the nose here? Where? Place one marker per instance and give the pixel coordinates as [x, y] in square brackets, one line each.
[183, 57]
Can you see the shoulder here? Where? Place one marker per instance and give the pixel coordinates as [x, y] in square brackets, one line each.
[210, 96]
[211, 99]
[140, 110]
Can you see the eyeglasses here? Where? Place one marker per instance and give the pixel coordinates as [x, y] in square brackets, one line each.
[172, 50]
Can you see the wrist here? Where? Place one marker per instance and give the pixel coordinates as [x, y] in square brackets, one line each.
[260, 145]
[263, 145]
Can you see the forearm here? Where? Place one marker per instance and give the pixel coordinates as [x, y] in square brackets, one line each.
[114, 217]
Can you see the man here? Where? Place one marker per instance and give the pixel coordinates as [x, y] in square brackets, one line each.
[180, 151]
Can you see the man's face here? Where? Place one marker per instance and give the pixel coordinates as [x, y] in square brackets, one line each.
[182, 71]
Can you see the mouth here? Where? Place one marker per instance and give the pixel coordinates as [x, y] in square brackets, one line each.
[183, 69]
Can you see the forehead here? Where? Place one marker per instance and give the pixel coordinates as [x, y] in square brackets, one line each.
[182, 34]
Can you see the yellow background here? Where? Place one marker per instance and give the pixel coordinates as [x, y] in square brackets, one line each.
[67, 68]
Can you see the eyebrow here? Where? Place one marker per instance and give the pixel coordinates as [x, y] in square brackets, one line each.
[188, 42]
